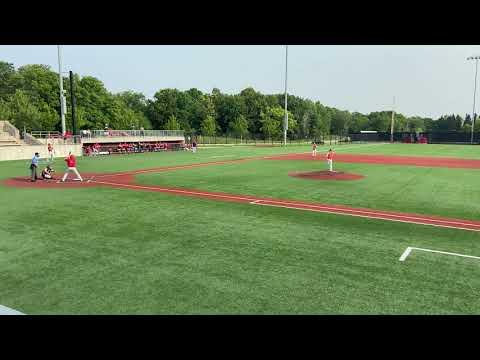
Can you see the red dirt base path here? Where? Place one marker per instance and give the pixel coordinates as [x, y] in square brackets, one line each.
[387, 160]
[326, 175]
[127, 181]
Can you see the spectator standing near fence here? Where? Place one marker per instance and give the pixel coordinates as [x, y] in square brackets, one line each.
[71, 167]
[34, 166]
[194, 146]
[50, 152]
[314, 149]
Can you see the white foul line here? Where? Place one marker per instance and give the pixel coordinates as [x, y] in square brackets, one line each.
[410, 248]
[379, 217]
[315, 208]
[405, 254]
[366, 212]
[7, 311]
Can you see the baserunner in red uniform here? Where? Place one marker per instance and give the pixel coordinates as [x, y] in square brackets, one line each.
[71, 167]
[330, 159]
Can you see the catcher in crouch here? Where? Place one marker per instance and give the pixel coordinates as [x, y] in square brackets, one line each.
[47, 173]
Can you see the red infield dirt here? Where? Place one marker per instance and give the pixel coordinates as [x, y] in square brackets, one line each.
[387, 160]
[326, 175]
[127, 181]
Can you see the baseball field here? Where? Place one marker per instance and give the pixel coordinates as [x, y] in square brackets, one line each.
[247, 230]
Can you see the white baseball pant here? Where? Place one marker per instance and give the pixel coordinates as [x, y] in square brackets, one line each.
[74, 170]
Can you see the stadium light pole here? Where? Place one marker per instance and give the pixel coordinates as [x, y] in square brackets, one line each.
[393, 119]
[285, 125]
[474, 93]
[62, 96]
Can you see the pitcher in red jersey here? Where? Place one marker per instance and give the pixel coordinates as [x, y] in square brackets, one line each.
[330, 159]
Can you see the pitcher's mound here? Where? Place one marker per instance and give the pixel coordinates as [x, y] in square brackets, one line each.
[326, 175]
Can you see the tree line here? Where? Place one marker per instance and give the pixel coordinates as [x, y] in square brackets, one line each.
[29, 98]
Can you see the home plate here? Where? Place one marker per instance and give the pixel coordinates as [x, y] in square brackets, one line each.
[7, 311]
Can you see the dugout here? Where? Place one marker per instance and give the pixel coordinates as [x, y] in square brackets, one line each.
[109, 148]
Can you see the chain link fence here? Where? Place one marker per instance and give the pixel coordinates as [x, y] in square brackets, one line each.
[261, 140]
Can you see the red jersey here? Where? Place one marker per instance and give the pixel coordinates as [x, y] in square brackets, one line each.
[71, 161]
[330, 155]
[314, 146]
[50, 147]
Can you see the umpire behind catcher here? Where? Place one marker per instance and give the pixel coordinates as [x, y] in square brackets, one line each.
[34, 165]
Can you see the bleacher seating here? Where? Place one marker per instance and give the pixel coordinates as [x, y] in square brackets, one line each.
[7, 140]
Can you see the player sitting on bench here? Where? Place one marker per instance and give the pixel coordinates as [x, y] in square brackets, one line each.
[47, 173]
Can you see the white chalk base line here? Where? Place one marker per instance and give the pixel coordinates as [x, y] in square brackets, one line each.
[7, 311]
[409, 249]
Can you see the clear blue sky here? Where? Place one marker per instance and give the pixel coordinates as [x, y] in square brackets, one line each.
[426, 80]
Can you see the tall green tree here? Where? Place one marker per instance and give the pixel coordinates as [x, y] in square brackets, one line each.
[7, 71]
[239, 126]
[165, 103]
[134, 100]
[227, 109]
[5, 110]
[379, 121]
[255, 103]
[359, 122]
[272, 122]
[172, 123]
[209, 126]
[39, 82]
[340, 122]
[24, 114]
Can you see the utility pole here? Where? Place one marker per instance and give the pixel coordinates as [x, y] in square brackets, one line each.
[62, 96]
[393, 120]
[285, 126]
[72, 102]
[474, 94]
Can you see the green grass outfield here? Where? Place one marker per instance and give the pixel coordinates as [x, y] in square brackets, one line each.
[114, 251]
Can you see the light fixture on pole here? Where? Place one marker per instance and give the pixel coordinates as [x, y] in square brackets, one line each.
[474, 94]
[285, 125]
[62, 96]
